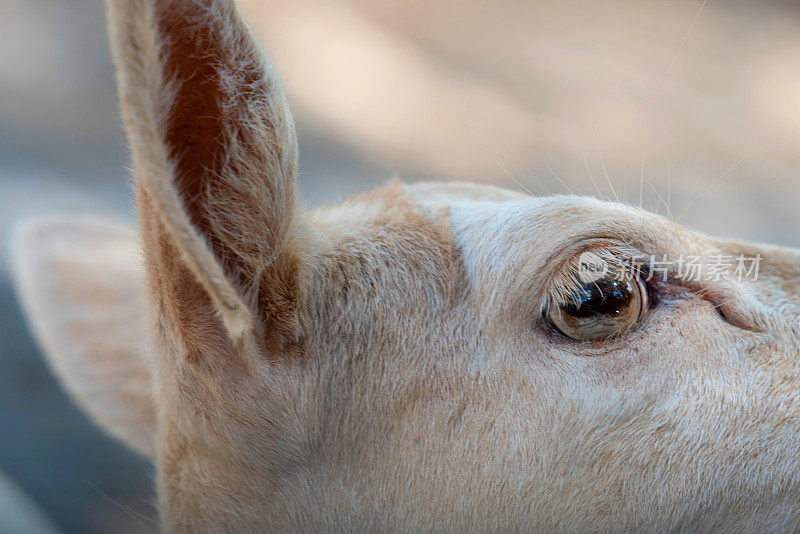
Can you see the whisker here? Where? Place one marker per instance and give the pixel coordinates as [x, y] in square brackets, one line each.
[711, 186]
[660, 93]
[625, 190]
[689, 29]
[588, 170]
[511, 175]
[557, 177]
[659, 196]
[605, 172]
[603, 161]
[542, 187]
[641, 174]
[669, 193]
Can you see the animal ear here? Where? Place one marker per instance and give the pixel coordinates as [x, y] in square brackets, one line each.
[215, 160]
[81, 284]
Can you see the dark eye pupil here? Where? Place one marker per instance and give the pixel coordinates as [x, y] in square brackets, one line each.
[604, 297]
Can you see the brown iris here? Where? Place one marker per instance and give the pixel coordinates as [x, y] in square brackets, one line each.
[601, 309]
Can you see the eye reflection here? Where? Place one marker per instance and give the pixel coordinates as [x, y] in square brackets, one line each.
[604, 297]
[600, 309]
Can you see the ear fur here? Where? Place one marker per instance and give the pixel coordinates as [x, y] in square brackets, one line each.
[81, 284]
[215, 160]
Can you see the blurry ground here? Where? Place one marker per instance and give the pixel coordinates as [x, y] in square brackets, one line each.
[698, 102]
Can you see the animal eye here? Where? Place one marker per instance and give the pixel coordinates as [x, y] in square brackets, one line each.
[600, 309]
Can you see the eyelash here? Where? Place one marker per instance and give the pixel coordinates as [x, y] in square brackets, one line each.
[621, 257]
[566, 282]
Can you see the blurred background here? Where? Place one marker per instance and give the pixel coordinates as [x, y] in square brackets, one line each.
[688, 108]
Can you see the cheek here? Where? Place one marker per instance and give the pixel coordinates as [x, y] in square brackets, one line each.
[678, 342]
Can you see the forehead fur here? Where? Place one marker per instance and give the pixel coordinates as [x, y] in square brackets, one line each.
[382, 251]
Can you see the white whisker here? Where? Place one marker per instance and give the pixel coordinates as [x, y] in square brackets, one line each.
[706, 190]
[507, 173]
[589, 171]
[605, 172]
[660, 92]
[669, 193]
[557, 177]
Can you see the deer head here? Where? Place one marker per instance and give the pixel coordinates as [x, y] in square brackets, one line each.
[421, 357]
